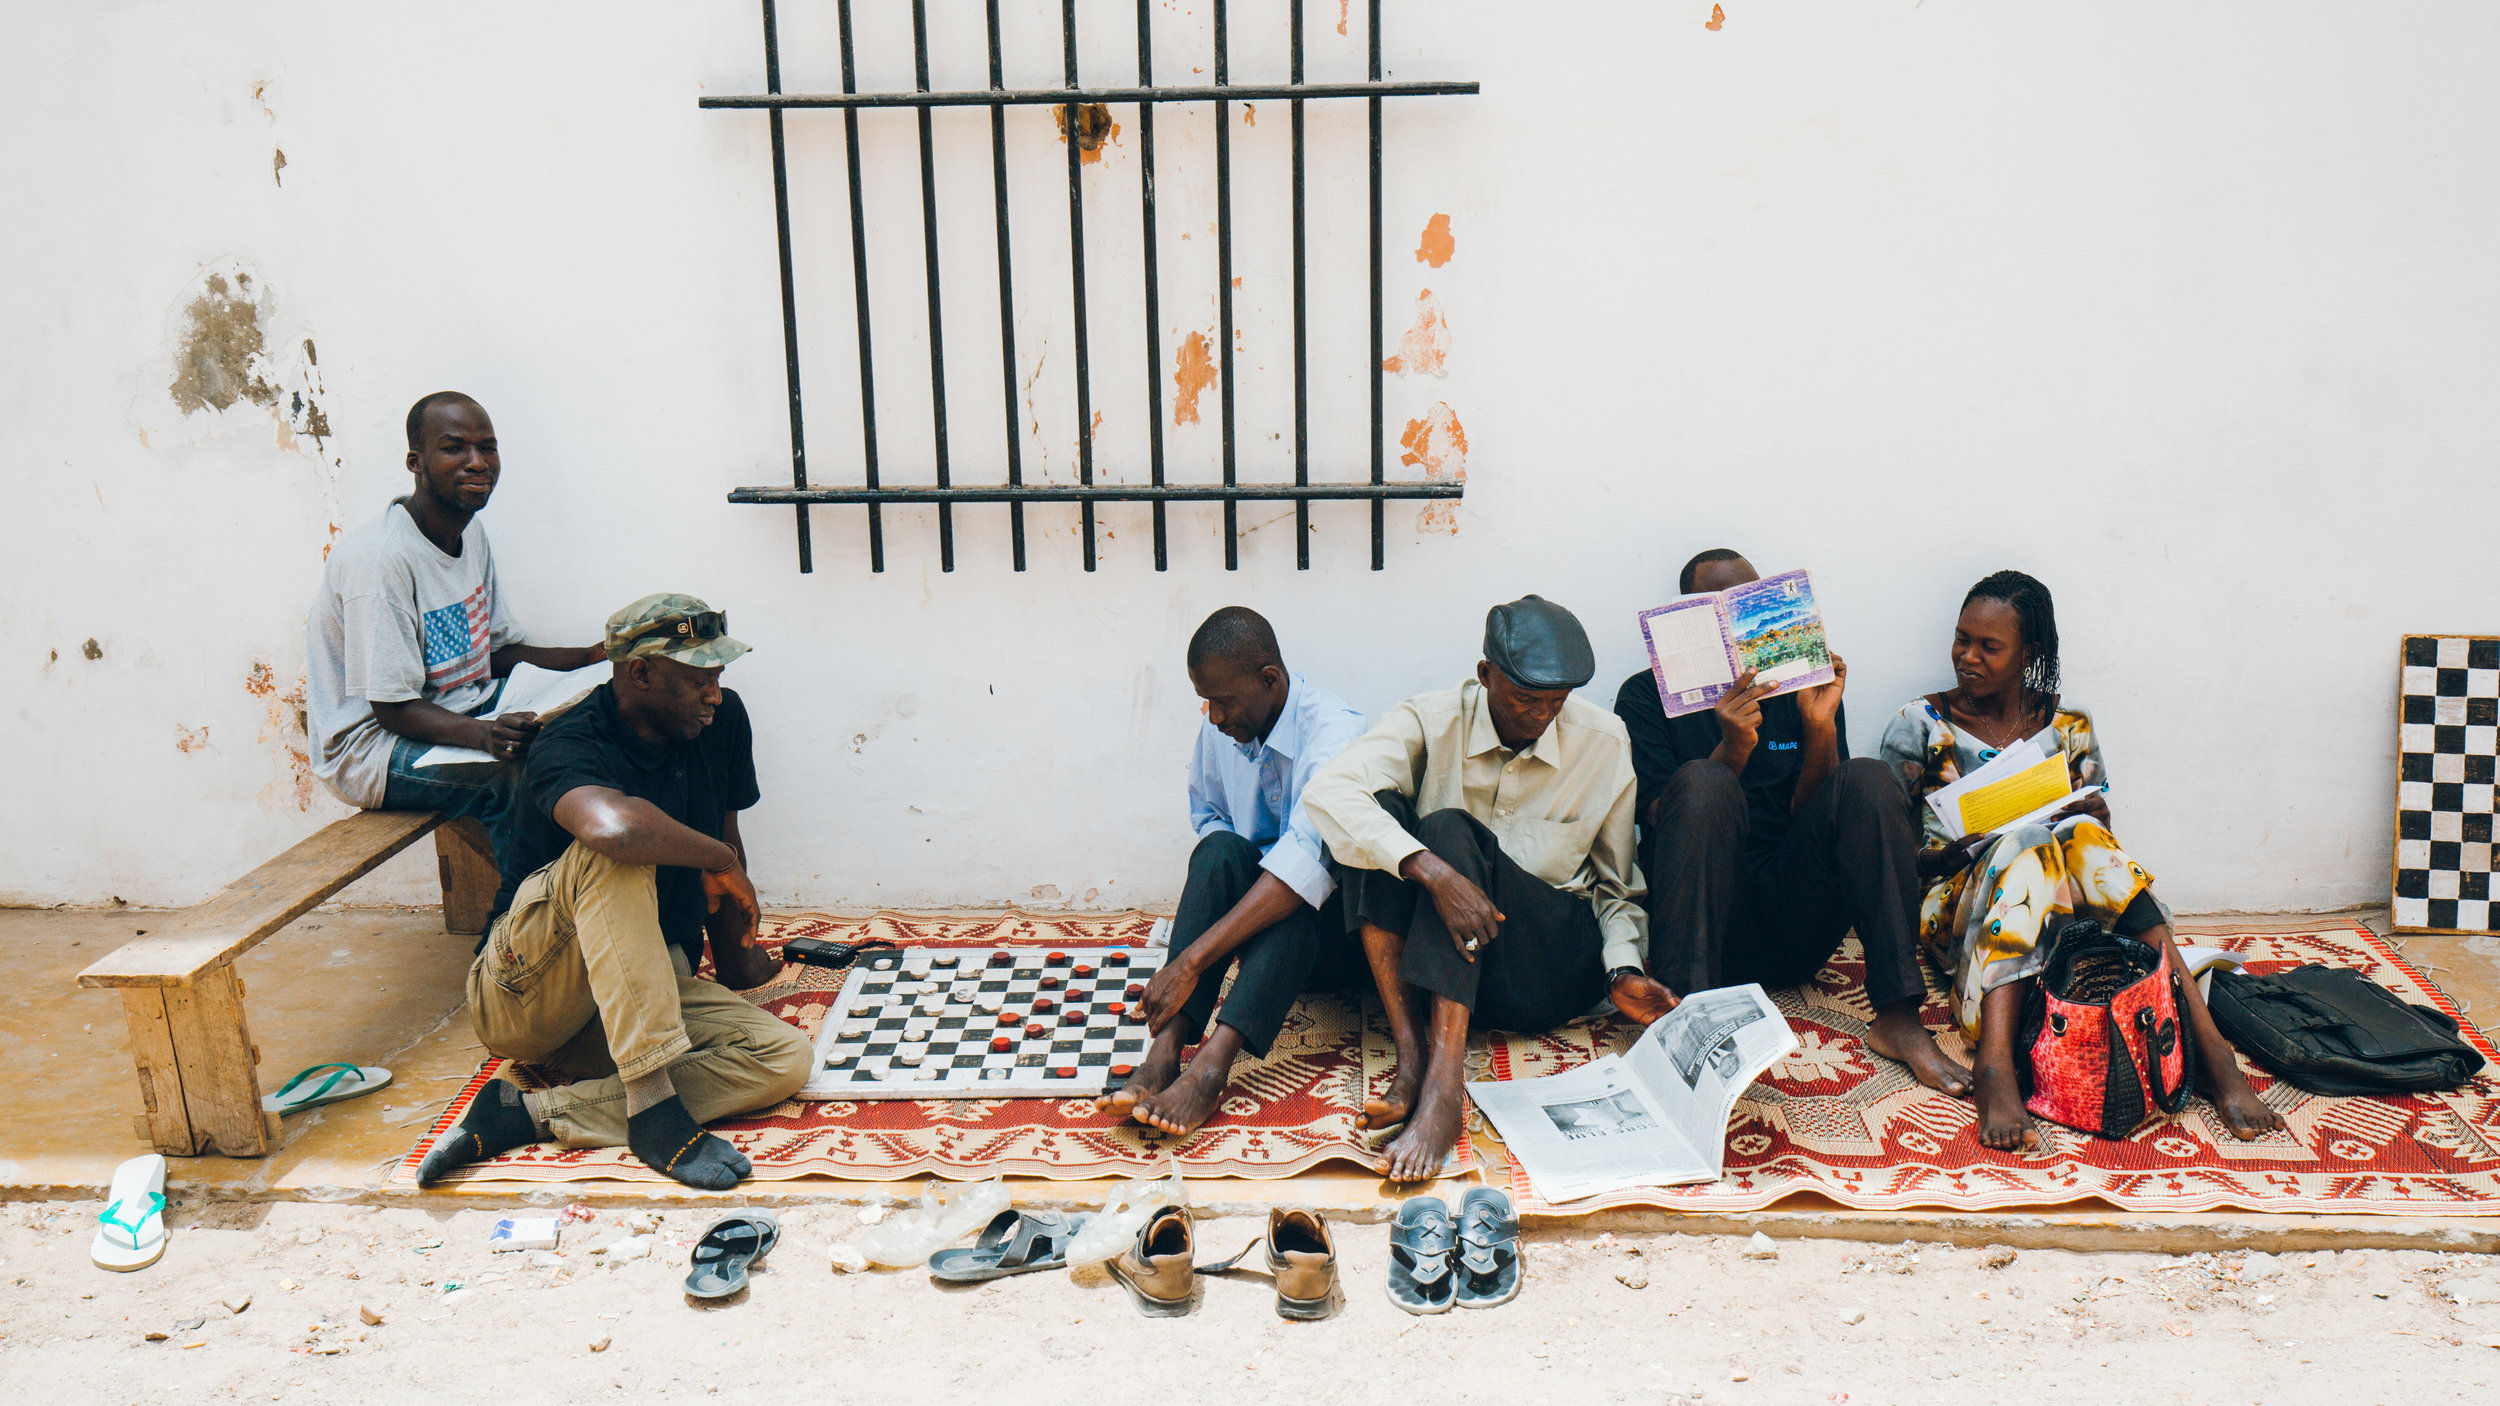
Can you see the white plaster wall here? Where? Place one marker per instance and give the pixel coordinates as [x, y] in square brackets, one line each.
[2188, 310]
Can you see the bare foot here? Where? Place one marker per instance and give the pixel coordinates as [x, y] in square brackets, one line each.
[1391, 1109]
[1898, 1035]
[2003, 1123]
[1431, 1130]
[2245, 1114]
[1188, 1100]
[1163, 1061]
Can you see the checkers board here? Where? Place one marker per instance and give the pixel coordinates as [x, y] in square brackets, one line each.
[2447, 734]
[984, 1022]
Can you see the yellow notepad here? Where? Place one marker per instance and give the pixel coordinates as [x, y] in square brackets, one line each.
[2042, 783]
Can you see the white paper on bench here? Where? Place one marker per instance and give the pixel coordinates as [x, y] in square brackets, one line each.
[530, 689]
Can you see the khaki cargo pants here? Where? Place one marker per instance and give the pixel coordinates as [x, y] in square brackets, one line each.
[577, 979]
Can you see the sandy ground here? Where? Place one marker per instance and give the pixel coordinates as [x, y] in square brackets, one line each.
[1652, 1319]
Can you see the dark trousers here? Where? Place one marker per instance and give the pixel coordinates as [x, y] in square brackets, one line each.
[1303, 951]
[1849, 860]
[1546, 966]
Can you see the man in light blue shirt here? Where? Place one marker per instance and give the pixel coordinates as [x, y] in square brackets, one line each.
[1259, 890]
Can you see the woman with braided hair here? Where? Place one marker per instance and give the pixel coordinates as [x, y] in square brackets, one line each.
[1989, 898]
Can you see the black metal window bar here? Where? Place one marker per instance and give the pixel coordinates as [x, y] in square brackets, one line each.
[1015, 492]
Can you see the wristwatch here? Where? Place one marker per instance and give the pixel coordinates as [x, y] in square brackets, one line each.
[1619, 973]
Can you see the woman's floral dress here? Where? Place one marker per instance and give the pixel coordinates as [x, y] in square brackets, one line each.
[1982, 925]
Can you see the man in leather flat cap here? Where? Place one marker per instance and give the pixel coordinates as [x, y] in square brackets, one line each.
[1481, 838]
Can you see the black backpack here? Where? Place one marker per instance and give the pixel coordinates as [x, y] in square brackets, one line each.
[2331, 1030]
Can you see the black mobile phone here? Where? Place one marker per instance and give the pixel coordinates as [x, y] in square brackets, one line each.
[816, 952]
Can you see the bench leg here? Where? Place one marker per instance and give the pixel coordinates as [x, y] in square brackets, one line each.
[198, 1069]
[466, 860]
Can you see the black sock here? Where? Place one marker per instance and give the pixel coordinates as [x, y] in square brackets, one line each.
[495, 1124]
[668, 1139]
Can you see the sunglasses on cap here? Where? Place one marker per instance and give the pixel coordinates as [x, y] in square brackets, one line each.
[703, 625]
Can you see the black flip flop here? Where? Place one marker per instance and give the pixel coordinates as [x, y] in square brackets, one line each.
[732, 1245]
[1014, 1242]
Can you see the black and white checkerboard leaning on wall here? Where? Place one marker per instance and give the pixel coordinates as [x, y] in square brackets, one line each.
[2449, 717]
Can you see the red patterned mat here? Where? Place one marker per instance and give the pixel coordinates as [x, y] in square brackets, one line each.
[1285, 1114]
[1836, 1120]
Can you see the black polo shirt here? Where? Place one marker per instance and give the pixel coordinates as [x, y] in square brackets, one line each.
[1660, 744]
[697, 784]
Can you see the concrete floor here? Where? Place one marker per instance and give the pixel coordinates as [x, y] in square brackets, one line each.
[383, 986]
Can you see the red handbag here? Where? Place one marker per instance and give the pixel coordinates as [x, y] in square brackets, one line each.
[2101, 1038]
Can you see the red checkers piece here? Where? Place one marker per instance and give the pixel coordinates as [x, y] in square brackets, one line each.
[1082, 971]
[1044, 1003]
[1122, 1071]
[1049, 982]
[1136, 991]
[1055, 959]
[1074, 1016]
[1002, 1044]
[1036, 1030]
[1115, 959]
[1065, 1071]
[1116, 1008]
[1008, 1017]
[1002, 959]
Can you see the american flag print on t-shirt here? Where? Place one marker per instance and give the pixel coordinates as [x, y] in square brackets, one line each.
[455, 643]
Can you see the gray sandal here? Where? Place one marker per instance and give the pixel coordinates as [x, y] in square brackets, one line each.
[1419, 1256]
[726, 1250]
[1488, 1249]
[1014, 1242]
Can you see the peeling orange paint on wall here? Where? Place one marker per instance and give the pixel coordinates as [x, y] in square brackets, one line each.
[1437, 444]
[1437, 245]
[1249, 114]
[288, 728]
[1717, 17]
[1193, 370]
[189, 739]
[1341, 8]
[1426, 346]
[1094, 130]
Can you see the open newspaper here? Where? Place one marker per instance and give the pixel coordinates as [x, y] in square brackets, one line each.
[1698, 644]
[528, 689]
[1655, 1116]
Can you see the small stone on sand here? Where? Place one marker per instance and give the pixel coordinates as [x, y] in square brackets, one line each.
[371, 1318]
[601, 1345]
[1761, 1247]
[1632, 1279]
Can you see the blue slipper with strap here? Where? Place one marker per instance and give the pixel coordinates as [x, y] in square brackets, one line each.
[130, 1234]
[1488, 1249]
[325, 1083]
[1419, 1256]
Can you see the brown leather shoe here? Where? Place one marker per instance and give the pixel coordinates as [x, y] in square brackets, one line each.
[1156, 1270]
[1303, 1260]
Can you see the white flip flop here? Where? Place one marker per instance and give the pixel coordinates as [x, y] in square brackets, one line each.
[310, 1089]
[131, 1233]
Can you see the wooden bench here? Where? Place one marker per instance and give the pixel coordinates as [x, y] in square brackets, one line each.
[185, 1004]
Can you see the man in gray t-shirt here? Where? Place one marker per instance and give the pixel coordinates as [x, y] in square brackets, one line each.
[406, 647]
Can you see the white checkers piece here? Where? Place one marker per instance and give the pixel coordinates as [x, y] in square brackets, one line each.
[2447, 735]
[877, 1042]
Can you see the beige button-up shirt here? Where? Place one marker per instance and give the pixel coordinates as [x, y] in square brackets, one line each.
[1561, 806]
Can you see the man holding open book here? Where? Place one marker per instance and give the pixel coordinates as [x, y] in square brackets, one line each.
[1765, 843]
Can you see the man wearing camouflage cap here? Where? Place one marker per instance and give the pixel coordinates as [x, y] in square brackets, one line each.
[1481, 839]
[626, 850]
